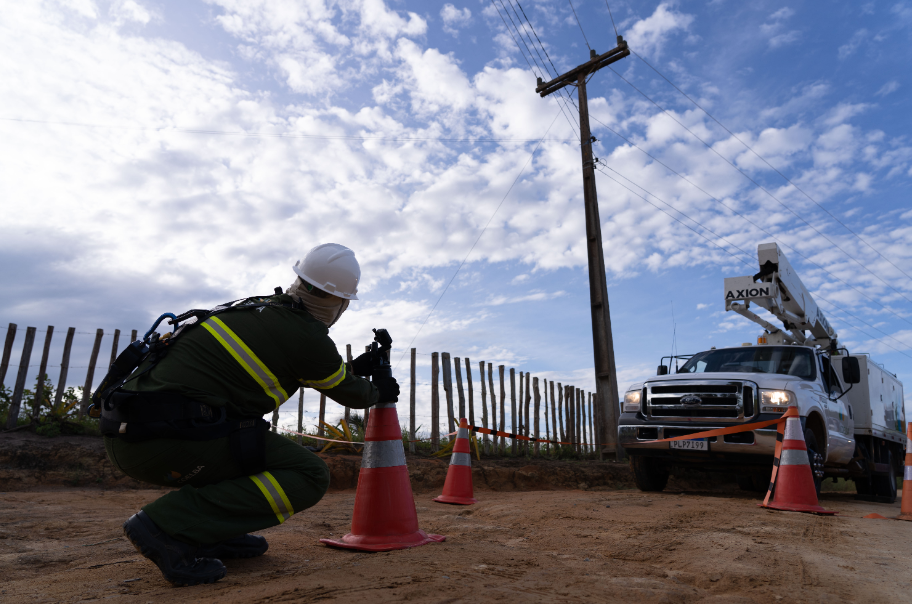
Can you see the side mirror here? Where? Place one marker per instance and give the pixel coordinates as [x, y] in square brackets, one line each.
[663, 370]
[851, 374]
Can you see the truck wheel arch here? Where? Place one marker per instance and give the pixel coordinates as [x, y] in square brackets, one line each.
[816, 424]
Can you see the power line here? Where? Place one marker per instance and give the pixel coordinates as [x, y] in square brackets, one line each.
[758, 185]
[477, 239]
[761, 158]
[283, 135]
[745, 262]
[612, 19]
[745, 218]
[580, 24]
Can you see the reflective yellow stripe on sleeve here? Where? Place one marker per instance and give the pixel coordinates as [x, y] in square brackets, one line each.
[274, 494]
[330, 382]
[245, 357]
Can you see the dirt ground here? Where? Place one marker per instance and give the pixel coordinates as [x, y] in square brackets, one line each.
[66, 545]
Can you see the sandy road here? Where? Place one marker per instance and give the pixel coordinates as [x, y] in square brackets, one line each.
[539, 546]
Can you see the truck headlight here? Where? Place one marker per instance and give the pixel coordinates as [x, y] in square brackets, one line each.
[632, 401]
[775, 401]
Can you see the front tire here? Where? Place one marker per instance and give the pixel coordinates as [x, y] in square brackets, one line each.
[884, 487]
[815, 459]
[649, 474]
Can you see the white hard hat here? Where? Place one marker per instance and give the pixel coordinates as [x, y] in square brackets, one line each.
[332, 268]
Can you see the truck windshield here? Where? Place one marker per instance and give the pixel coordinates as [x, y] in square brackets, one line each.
[785, 360]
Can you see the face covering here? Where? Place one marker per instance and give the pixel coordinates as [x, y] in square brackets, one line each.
[328, 309]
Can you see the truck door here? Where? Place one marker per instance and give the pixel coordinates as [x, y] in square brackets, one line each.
[841, 447]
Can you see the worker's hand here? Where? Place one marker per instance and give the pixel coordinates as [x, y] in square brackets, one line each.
[362, 365]
[389, 390]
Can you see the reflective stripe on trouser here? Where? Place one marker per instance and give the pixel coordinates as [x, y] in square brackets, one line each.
[246, 359]
[215, 499]
[274, 495]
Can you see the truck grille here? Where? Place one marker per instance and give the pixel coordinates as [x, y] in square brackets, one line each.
[723, 400]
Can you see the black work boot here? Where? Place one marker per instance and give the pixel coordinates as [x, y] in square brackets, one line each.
[245, 546]
[177, 560]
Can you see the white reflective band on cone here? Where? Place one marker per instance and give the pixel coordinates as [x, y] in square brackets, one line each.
[793, 429]
[384, 406]
[907, 473]
[462, 433]
[383, 454]
[794, 457]
[461, 459]
[909, 445]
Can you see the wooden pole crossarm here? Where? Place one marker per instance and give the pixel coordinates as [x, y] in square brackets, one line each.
[594, 64]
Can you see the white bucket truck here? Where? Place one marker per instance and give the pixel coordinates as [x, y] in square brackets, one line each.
[851, 407]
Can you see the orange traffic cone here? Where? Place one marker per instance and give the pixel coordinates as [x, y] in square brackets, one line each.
[793, 484]
[458, 486]
[906, 511]
[384, 517]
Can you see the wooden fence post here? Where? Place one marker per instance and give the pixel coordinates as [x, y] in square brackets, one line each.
[519, 429]
[578, 424]
[132, 336]
[528, 402]
[64, 368]
[435, 400]
[348, 357]
[598, 430]
[585, 416]
[560, 411]
[513, 427]
[275, 419]
[503, 396]
[321, 431]
[300, 415]
[484, 404]
[493, 406]
[90, 373]
[537, 405]
[448, 389]
[114, 346]
[412, 381]
[568, 403]
[545, 412]
[457, 366]
[7, 351]
[468, 365]
[21, 376]
[42, 374]
[554, 431]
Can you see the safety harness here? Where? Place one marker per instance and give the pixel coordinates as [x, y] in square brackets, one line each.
[137, 416]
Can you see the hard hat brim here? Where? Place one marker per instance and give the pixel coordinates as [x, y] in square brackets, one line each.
[322, 286]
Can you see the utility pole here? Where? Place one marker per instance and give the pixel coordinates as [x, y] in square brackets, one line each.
[606, 386]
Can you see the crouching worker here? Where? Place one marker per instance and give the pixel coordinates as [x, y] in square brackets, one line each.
[190, 416]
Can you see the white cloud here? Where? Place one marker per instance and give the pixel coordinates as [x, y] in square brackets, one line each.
[848, 49]
[773, 29]
[454, 18]
[124, 11]
[701, 306]
[648, 36]
[535, 296]
[889, 87]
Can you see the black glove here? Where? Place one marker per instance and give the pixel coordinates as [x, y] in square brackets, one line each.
[389, 390]
[362, 365]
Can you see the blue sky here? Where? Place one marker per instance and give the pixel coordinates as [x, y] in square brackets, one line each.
[127, 191]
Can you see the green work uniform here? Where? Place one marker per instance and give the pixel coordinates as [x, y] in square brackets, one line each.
[247, 362]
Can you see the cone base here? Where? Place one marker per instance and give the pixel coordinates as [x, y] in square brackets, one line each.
[904, 517]
[383, 543]
[455, 500]
[797, 507]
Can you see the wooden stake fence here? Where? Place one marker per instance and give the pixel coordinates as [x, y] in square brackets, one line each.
[568, 413]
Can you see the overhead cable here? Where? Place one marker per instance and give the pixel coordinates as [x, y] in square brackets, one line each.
[758, 185]
[749, 264]
[580, 24]
[761, 158]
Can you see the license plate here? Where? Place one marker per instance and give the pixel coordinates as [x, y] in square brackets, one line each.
[690, 445]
